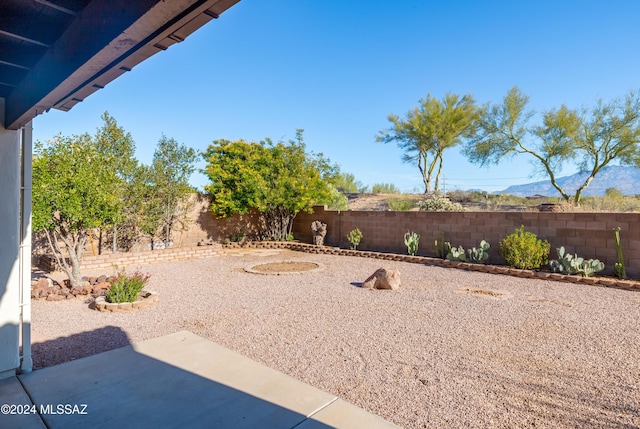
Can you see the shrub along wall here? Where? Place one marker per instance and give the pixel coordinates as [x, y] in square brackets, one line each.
[590, 235]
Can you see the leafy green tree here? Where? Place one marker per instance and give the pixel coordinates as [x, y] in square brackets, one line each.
[168, 185]
[72, 193]
[277, 179]
[592, 138]
[336, 200]
[347, 183]
[117, 148]
[429, 129]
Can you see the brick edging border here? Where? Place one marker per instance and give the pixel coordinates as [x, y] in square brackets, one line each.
[494, 269]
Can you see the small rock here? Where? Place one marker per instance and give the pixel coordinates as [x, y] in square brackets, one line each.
[99, 288]
[101, 279]
[383, 278]
[43, 282]
[54, 297]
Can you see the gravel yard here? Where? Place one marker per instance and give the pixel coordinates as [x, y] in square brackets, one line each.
[549, 354]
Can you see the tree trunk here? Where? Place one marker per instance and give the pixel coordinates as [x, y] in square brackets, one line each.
[579, 191]
[114, 249]
[436, 188]
[74, 243]
[426, 177]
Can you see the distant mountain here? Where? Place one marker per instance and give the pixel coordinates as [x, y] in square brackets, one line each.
[624, 179]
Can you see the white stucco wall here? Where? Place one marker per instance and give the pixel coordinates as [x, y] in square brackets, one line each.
[9, 247]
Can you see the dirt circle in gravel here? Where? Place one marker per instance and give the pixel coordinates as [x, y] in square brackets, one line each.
[284, 267]
[484, 293]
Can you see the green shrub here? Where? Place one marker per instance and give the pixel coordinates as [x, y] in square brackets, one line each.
[400, 204]
[384, 188]
[336, 200]
[237, 236]
[524, 250]
[439, 204]
[354, 237]
[126, 288]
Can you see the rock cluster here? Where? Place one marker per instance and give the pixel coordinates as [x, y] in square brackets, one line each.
[46, 288]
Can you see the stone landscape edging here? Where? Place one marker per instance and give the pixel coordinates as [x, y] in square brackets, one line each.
[148, 299]
[493, 269]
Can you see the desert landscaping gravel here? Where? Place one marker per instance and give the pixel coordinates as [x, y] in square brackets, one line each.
[547, 354]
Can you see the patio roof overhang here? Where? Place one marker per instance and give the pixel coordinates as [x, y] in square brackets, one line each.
[55, 53]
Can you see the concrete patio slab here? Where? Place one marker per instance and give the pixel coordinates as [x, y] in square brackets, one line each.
[182, 380]
[17, 410]
[341, 414]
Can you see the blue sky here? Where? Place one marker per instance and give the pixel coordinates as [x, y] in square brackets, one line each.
[337, 69]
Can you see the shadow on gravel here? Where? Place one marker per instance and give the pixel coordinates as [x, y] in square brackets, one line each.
[77, 346]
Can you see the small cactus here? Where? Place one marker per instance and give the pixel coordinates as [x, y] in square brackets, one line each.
[479, 255]
[573, 264]
[618, 268]
[457, 254]
[442, 247]
[591, 267]
[411, 241]
[354, 237]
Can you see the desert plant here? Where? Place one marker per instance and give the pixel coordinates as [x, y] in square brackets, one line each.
[524, 250]
[384, 188]
[400, 204]
[442, 247]
[589, 267]
[618, 268]
[439, 204]
[126, 288]
[411, 241]
[354, 237]
[573, 264]
[237, 236]
[457, 254]
[479, 255]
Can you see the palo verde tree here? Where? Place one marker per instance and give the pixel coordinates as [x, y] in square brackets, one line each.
[72, 193]
[277, 179]
[592, 138]
[168, 185]
[428, 130]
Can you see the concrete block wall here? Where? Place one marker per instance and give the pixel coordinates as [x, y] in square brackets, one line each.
[588, 234]
[108, 261]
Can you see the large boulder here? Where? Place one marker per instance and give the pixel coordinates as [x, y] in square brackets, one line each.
[383, 278]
